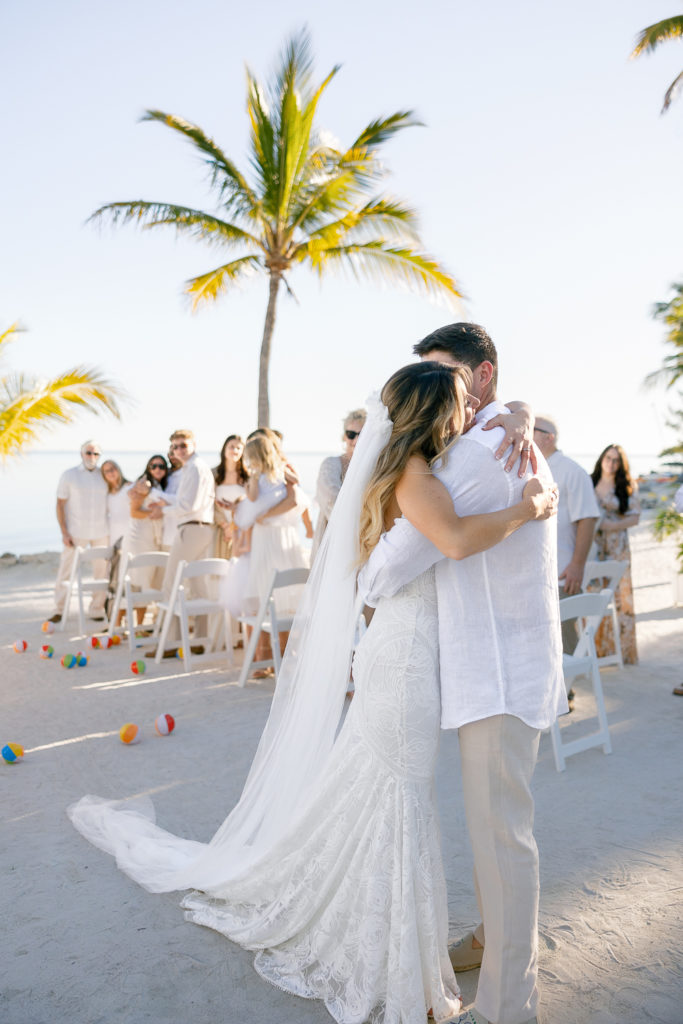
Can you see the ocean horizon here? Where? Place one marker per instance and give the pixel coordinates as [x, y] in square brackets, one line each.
[28, 485]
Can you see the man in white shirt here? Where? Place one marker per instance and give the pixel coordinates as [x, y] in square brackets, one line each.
[501, 683]
[577, 516]
[192, 514]
[82, 518]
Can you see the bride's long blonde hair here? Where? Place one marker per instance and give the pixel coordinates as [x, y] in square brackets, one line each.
[426, 404]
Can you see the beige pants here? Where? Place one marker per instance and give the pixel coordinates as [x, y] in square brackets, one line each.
[498, 757]
[100, 572]
[191, 543]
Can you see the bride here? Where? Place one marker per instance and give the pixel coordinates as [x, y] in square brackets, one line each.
[330, 866]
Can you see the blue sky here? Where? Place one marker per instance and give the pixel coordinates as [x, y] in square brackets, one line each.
[545, 179]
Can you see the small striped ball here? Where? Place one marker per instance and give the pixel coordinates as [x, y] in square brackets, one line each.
[20, 646]
[106, 641]
[129, 733]
[164, 724]
[81, 659]
[46, 651]
[68, 661]
[48, 627]
[94, 642]
[12, 752]
[138, 667]
[116, 640]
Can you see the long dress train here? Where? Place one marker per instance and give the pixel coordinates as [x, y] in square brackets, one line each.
[350, 906]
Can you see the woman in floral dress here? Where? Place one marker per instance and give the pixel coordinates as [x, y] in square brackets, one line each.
[617, 495]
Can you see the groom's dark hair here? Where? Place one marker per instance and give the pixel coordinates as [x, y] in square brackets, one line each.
[468, 343]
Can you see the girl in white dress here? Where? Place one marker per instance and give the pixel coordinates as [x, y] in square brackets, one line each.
[330, 865]
[230, 477]
[146, 523]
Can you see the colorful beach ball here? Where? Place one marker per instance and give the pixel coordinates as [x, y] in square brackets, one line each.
[106, 641]
[164, 724]
[180, 653]
[46, 651]
[129, 733]
[48, 627]
[81, 659]
[12, 752]
[116, 640]
[20, 646]
[138, 667]
[94, 642]
[68, 660]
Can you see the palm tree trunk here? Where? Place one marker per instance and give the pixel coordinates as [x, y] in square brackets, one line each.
[264, 361]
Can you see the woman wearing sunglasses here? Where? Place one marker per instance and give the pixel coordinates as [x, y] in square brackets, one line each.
[332, 473]
[146, 523]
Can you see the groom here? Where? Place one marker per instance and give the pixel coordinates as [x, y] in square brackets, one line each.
[501, 683]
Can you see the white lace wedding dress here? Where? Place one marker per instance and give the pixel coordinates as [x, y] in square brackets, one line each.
[330, 864]
[351, 907]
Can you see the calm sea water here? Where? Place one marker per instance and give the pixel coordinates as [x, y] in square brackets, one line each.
[28, 484]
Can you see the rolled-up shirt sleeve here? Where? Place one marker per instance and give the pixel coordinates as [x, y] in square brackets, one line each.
[401, 555]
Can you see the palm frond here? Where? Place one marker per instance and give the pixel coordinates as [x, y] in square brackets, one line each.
[652, 36]
[381, 215]
[380, 261]
[382, 129]
[28, 406]
[196, 223]
[263, 159]
[8, 334]
[208, 287]
[225, 176]
[672, 92]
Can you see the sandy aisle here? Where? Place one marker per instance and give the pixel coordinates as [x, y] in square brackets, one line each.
[83, 944]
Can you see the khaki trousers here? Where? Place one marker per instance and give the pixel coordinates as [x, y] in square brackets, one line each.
[100, 572]
[191, 543]
[498, 757]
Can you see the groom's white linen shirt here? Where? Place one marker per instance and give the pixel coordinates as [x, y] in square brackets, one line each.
[195, 496]
[499, 628]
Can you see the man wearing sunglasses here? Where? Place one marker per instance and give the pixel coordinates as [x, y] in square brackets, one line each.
[82, 518]
[192, 513]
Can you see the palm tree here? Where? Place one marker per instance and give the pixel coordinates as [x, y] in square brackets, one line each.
[29, 405]
[307, 200]
[671, 314]
[650, 38]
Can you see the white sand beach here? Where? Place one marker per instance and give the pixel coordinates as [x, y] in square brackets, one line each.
[83, 944]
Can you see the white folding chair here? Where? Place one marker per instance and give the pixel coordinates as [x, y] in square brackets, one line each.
[82, 558]
[588, 610]
[181, 605]
[609, 573]
[130, 598]
[268, 621]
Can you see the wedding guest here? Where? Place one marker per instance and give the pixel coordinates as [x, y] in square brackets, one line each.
[275, 540]
[82, 518]
[146, 524]
[617, 495]
[332, 472]
[118, 504]
[192, 514]
[577, 516]
[230, 478]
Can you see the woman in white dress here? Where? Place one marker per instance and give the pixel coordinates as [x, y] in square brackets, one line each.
[230, 477]
[331, 475]
[330, 864]
[118, 504]
[147, 496]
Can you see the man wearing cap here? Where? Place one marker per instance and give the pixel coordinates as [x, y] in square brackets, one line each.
[82, 518]
[577, 516]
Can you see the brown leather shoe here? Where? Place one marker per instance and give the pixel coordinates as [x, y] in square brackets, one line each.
[55, 618]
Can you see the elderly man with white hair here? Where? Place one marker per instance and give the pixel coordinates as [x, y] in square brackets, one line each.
[577, 516]
[82, 518]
